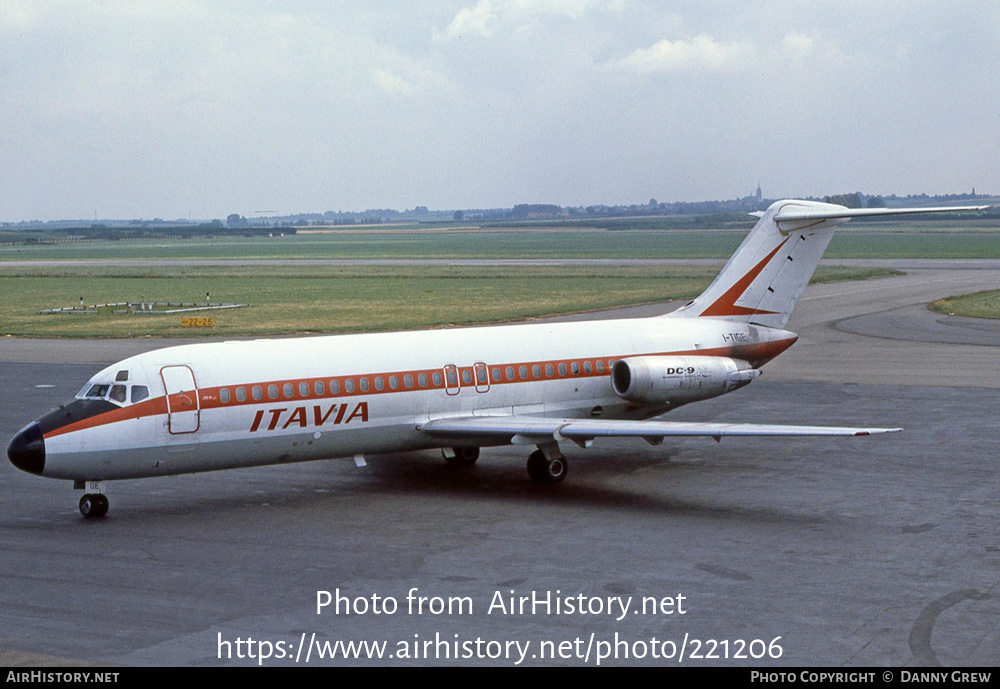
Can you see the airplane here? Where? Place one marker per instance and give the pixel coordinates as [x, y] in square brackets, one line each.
[224, 405]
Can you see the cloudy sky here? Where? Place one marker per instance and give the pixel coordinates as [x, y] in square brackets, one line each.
[176, 108]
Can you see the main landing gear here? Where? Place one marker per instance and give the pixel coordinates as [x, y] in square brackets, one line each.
[92, 504]
[461, 456]
[547, 464]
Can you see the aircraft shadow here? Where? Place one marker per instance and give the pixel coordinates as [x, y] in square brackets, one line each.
[642, 485]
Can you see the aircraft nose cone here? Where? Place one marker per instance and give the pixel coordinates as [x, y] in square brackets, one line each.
[27, 450]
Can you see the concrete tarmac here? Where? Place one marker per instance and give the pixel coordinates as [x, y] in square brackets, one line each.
[880, 551]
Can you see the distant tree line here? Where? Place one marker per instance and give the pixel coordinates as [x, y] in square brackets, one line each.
[680, 214]
[100, 231]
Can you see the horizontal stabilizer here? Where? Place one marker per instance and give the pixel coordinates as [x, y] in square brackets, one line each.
[867, 212]
[793, 217]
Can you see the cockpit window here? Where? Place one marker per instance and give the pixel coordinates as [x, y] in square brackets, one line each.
[117, 394]
[121, 376]
[96, 391]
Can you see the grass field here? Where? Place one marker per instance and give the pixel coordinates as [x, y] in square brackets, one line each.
[978, 305]
[336, 300]
[388, 245]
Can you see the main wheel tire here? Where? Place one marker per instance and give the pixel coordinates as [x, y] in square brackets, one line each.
[544, 470]
[102, 505]
[536, 466]
[464, 456]
[555, 470]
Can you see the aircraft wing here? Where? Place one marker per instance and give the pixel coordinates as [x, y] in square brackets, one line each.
[533, 429]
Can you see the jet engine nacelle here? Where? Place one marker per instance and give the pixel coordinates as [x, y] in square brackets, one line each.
[673, 379]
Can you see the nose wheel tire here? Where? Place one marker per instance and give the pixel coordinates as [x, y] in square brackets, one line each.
[544, 470]
[93, 505]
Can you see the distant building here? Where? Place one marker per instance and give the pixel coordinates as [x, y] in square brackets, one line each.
[753, 202]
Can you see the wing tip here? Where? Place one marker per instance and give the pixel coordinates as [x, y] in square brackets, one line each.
[877, 431]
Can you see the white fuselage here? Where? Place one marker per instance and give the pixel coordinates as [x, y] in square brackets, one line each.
[248, 403]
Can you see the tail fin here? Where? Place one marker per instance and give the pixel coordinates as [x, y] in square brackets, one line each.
[764, 279]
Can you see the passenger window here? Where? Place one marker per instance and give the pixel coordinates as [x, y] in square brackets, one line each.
[349, 385]
[288, 390]
[241, 395]
[223, 395]
[536, 371]
[436, 377]
[408, 380]
[393, 382]
[466, 376]
[303, 389]
[141, 392]
[272, 391]
[334, 387]
[379, 383]
[118, 393]
[523, 372]
[363, 384]
[319, 388]
[257, 392]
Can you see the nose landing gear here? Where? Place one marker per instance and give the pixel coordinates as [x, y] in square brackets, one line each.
[93, 504]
